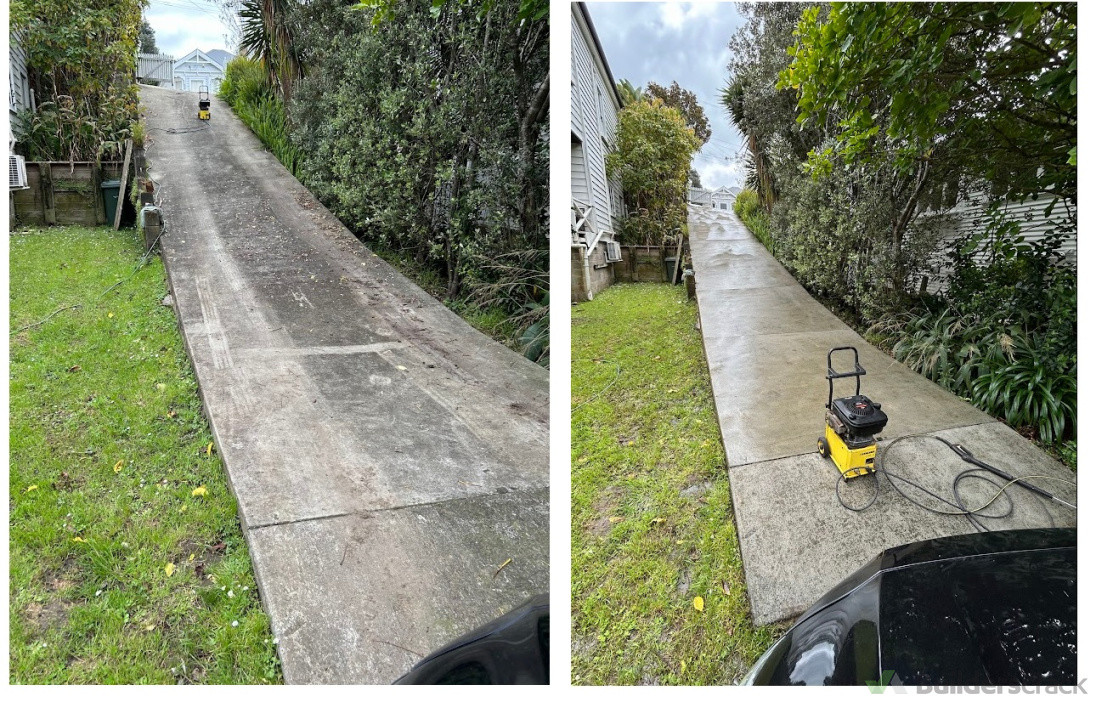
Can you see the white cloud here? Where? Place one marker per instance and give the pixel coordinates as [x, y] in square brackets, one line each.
[676, 14]
[179, 30]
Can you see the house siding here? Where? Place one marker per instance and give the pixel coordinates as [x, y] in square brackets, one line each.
[594, 120]
[969, 217]
[19, 88]
[196, 69]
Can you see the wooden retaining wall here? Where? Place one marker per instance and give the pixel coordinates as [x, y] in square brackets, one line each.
[642, 263]
[63, 194]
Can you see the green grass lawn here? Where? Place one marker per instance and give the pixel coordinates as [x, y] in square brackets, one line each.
[127, 560]
[652, 526]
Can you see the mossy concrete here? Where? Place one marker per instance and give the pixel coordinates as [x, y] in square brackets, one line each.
[346, 401]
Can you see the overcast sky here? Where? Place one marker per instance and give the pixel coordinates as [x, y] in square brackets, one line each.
[682, 41]
[184, 25]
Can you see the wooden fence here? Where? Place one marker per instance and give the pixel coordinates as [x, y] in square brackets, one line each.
[63, 194]
[155, 69]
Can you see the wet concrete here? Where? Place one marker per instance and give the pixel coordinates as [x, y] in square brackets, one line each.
[766, 342]
[346, 401]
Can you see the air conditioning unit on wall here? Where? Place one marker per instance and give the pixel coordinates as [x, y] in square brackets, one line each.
[17, 173]
[614, 251]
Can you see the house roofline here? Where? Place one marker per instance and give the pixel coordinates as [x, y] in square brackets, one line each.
[202, 53]
[598, 46]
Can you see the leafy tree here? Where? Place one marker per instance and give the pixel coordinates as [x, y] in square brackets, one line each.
[81, 62]
[685, 101]
[652, 156]
[991, 83]
[147, 42]
[693, 178]
[629, 92]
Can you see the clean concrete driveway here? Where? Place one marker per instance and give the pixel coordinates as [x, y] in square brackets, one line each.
[766, 342]
[387, 458]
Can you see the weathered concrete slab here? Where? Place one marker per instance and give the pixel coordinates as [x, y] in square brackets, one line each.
[798, 541]
[770, 390]
[342, 395]
[766, 342]
[426, 575]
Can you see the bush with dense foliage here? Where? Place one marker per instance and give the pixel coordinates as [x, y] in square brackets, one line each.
[81, 66]
[748, 207]
[246, 90]
[426, 131]
[866, 119]
[652, 155]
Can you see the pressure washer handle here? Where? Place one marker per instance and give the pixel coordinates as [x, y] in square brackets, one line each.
[832, 375]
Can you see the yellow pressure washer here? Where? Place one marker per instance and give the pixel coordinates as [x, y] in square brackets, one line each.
[853, 423]
[203, 104]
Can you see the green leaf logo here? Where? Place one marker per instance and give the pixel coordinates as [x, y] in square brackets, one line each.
[879, 687]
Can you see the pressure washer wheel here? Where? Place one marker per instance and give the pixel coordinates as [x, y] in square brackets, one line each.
[824, 448]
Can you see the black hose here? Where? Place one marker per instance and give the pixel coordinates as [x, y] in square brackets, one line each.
[957, 507]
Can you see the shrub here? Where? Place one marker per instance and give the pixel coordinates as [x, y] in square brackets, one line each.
[81, 66]
[749, 208]
[246, 91]
[427, 134]
[746, 203]
[652, 156]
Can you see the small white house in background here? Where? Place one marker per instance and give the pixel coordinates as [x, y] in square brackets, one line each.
[596, 201]
[720, 199]
[196, 70]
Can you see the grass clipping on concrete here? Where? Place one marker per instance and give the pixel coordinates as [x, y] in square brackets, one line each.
[127, 560]
[658, 594]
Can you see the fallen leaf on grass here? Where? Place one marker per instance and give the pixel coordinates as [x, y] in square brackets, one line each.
[75, 368]
[209, 449]
[658, 520]
[171, 414]
[698, 604]
[118, 467]
[200, 491]
[169, 568]
[32, 488]
[150, 627]
[616, 520]
[683, 666]
[79, 539]
[111, 315]
[191, 556]
[183, 508]
[726, 589]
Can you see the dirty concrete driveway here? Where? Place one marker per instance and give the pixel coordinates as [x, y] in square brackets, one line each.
[766, 342]
[387, 457]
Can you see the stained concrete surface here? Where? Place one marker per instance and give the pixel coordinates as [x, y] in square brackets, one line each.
[766, 342]
[358, 418]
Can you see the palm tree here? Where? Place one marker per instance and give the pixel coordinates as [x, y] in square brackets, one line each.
[628, 92]
[267, 38]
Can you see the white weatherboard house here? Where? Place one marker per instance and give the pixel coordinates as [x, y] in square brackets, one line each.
[197, 70]
[596, 201]
[720, 199]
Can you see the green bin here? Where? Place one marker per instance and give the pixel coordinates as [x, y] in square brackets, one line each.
[110, 189]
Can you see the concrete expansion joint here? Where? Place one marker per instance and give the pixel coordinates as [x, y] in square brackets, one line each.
[367, 513]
